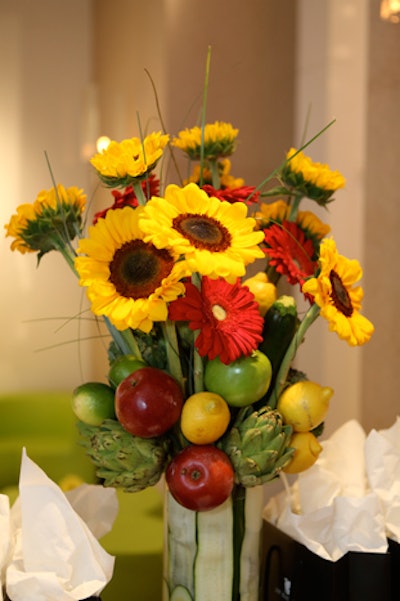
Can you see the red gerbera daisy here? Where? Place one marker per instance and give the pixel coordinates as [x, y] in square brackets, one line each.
[151, 187]
[227, 316]
[290, 251]
[231, 195]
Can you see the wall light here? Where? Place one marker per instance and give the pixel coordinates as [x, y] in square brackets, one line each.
[390, 10]
[102, 143]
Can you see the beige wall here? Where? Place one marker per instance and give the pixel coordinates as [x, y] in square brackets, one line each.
[381, 373]
[45, 62]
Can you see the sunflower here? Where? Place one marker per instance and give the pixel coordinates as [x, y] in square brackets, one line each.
[226, 315]
[215, 237]
[49, 223]
[128, 280]
[129, 161]
[314, 180]
[334, 291]
[219, 140]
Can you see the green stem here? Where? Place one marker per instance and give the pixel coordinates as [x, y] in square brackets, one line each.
[203, 115]
[141, 198]
[125, 340]
[216, 181]
[198, 382]
[295, 207]
[297, 339]
[171, 342]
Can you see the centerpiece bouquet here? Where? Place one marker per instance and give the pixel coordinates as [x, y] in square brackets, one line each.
[201, 386]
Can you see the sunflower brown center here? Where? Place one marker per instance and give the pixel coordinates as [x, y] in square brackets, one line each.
[203, 231]
[137, 269]
[339, 295]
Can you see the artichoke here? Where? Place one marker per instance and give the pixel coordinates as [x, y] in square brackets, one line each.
[122, 460]
[258, 446]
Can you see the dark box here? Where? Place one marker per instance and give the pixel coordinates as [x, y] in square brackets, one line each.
[291, 572]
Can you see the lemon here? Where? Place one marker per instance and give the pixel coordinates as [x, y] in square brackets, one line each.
[264, 291]
[304, 405]
[307, 450]
[205, 417]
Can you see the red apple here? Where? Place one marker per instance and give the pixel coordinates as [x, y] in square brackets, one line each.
[200, 477]
[148, 402]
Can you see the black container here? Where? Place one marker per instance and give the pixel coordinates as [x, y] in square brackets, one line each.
[291, 572]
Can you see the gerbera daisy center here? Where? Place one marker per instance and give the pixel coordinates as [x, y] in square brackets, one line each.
[218, 312]
[137, 269]
[339, 295]
[203, 231]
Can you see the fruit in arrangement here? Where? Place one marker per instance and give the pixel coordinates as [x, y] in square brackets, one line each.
[304, 405]
[241, 382]
[122, 367]
[93, 402]
[264, 291]
[122, 460]
[306, 451]
[258, 446]
[200, 477]
[148, 402]
[205, 417]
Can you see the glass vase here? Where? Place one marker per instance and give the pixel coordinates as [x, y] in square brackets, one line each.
[214, 555]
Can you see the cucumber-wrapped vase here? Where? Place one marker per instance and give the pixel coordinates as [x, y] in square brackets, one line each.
[214, 555]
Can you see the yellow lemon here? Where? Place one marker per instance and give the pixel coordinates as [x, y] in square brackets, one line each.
[307, 450]
[205, 417]
[304, 405]
[264, 291]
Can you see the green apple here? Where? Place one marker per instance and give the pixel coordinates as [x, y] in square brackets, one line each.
[242, 382]
[122, 367]
[93, 402]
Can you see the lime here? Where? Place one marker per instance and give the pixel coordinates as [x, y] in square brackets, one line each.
[93, 402]
[122, 367]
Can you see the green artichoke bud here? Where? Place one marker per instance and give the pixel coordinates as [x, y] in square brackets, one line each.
[122, 460]
[258, 446]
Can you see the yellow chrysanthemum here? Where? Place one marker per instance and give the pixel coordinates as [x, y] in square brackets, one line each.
[226, 179]
[334, 291]
[278, 211]
[54, 218]
[219, 140]
[129, 161]
[315, 180]
[128, 280]
[215, 237]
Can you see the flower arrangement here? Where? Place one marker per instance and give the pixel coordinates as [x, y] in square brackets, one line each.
[201, 352]
[201, 386]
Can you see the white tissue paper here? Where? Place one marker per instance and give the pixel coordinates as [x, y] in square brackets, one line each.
[331, 508]
[55, 555]
[382, 456]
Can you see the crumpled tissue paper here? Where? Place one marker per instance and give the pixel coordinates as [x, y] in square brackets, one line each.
[349, 500]
[53, 553]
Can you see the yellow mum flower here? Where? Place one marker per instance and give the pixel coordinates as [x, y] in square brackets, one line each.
[49, 223]
[128, 280]
[334, 291]
[215, 237]
[314, 180]
[278, 211]
[219, 140]
[129, 161]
